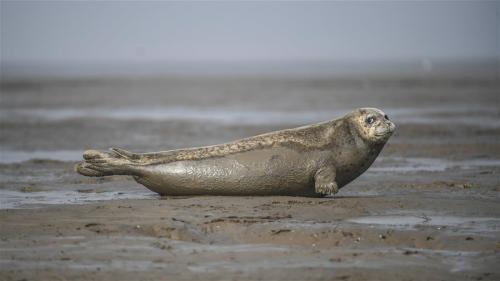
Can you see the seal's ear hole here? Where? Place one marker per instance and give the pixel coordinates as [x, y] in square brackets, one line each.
[370, 120]
[386, 117]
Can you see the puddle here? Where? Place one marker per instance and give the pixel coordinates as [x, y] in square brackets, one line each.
[414, 164]
[402, 221]
[10, 199]
[455, 261]
[294, 225]
[129, 265]
[183, 246]
[300, 262]
[476, 225]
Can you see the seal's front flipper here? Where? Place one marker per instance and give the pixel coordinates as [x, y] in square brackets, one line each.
[324, 181]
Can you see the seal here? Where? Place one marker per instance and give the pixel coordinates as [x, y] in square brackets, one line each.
[313, 160]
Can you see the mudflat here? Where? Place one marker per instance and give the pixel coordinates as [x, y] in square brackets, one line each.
[428, 208]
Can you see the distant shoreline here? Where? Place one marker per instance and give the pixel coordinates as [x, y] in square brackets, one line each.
[481, 68]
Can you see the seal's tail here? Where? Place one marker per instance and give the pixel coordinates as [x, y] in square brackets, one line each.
[100, 164]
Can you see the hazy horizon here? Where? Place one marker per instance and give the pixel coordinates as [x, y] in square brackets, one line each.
[40, 38]
[424, 68]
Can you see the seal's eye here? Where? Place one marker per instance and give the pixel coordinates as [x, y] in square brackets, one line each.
[386, 117]
[370, 120]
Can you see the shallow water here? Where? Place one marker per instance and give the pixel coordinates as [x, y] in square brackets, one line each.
[218, 115]
[11, 199]
[471, 225]
[484, 116]
[421, 164]
[16, 156]
[251, 257]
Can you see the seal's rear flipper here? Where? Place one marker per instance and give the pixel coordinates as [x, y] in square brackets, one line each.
[100, 164]
[125, 154]
[86, 169]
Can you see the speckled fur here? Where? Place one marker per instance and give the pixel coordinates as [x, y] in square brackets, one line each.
[309, 137]
[312, 160]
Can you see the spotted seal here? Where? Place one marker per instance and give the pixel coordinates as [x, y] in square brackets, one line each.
[313, 160]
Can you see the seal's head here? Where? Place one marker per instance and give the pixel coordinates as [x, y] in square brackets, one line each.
[372, 124]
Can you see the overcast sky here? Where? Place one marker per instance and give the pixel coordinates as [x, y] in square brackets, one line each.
[247, 31]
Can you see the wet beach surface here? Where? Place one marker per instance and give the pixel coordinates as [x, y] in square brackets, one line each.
[428, 208]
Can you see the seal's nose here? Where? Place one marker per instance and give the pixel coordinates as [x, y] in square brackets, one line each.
[392, 126]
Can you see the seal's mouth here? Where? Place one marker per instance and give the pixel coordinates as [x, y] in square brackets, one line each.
[387, 132]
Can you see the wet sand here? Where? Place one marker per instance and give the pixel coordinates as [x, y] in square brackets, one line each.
[428, 209]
